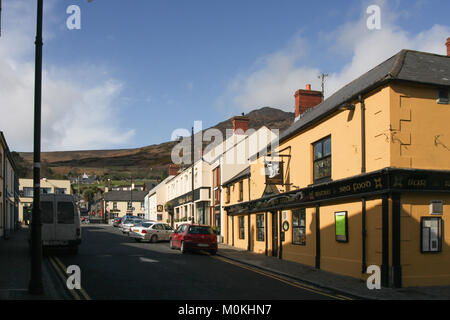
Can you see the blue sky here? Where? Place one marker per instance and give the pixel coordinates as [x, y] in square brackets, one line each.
[137, 70]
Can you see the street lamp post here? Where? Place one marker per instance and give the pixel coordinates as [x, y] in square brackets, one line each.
[35, 285]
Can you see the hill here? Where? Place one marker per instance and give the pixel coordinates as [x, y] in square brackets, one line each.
[146, 162]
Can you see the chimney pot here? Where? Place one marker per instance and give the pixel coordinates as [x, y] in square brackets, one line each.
[173, 169]
[448, 47]
[308, 87]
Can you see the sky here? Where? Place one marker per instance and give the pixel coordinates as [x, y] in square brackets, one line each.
[138, 70]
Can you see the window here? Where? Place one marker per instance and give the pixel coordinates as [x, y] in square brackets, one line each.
[115, 205]
[66, 213]
[241, 190]
[228, 195]
[28, 192]
[299, 227]
[142, 205]
[241, 228]
[159, 217]
[46, 190]
[322, 159]
[130, 205]
[443, 96]
[60, 191]
[260, 227]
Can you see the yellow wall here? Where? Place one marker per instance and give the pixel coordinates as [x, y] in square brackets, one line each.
[420, 129]
[123, 206]
[423, 268]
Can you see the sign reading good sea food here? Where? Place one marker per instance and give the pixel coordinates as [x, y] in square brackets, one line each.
[274, 172]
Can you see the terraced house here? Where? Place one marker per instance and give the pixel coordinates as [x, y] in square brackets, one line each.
[360, 179]
[9, 194]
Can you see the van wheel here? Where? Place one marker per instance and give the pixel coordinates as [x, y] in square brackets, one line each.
[154, 239]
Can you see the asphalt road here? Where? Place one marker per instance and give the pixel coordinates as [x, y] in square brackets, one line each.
[114, 266]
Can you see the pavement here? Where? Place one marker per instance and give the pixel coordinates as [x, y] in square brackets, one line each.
[323, 279]
[15, 271]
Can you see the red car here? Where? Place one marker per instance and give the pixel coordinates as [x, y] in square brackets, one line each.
[194, 237]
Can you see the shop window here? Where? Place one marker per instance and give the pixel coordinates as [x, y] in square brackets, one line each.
[322, 160]
[299, 227]
[241, 228]
[341, 226]
[431, 234]
[260, 232]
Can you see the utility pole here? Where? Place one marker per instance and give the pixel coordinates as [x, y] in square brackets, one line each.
[35, 285]
[0, 18]
[322, 77]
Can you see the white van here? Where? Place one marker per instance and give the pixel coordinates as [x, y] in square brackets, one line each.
[61, 225]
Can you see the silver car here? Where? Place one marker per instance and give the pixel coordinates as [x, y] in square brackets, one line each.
[129, 222]
[151, 231]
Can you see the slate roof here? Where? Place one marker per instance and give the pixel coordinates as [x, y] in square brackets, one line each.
[125, 195]
[407, 65]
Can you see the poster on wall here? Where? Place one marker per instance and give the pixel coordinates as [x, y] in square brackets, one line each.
[341, 226]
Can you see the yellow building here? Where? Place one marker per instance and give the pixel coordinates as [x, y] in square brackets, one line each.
[121, 203]
[48, 186]
[360, 179]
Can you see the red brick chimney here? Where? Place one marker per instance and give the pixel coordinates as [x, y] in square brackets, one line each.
[448, 47]
[240, 123]
[306, 99]
[173, 169]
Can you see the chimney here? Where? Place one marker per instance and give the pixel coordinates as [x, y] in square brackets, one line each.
[448, 47]
[240, 123]
[173, 169]
[306, 99]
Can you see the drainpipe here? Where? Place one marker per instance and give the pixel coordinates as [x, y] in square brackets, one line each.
[249, 248]
[363, 170]
[280, 251]
[363, 134]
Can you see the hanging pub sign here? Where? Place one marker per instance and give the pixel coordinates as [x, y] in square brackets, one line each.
[274, 172]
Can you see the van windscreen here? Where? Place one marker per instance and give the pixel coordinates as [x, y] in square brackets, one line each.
[47, 211]
[66, 213]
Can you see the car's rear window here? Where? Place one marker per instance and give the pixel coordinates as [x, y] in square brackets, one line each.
[66, 213]
[200, 230]
[47, 211]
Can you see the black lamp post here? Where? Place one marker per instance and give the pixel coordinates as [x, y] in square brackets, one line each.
[35, 285]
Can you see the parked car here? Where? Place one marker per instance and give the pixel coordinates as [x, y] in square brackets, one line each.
[151, 231]
[194, 237]
[129, 222]
[116, 222]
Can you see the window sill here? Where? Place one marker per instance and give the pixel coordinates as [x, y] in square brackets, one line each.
[321, 181]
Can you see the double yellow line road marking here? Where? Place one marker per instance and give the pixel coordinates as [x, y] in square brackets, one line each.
[284, 280]
[61, 270]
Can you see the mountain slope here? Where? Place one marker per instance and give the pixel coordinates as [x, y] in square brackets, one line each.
[145, 162]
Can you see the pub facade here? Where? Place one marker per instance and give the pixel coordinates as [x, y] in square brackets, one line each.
[360, 179]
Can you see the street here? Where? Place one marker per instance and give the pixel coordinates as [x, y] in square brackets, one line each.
[114, 266]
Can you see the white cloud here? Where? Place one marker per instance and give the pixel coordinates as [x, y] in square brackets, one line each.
[273, 79]
[77, 113]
